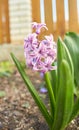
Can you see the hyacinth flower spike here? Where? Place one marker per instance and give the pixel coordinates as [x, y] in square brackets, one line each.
[41, 56]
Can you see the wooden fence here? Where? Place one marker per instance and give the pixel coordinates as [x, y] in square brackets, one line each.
[4, 22]
[56, 28]
[61, 25]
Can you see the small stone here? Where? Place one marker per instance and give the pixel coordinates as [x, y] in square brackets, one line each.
[1, 126]
[31, 128]
[17, 113]
[26, 105]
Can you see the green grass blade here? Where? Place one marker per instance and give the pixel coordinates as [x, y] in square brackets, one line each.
[65, 97]
[33, 91]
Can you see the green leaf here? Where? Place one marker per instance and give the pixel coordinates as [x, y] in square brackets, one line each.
[65, 97]
[60, 54]
[50, 92]
[63, 52]
[65, 86]
[72, 42]
[33, 91]
[6, 73]
[53, 79]
[75, 110]
[2, 94]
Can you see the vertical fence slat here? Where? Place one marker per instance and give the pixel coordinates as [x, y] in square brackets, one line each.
[0, 33]
[0, 24]
[7, 21]
[48, 14]
[36, 10]
[60, 17]
[4, 22]
[73, 16]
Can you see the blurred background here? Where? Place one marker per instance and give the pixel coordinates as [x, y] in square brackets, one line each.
[16, 17]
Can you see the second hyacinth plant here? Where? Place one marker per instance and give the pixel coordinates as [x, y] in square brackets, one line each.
[58, 64]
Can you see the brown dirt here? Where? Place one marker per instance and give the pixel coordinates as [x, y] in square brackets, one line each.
[17, 108]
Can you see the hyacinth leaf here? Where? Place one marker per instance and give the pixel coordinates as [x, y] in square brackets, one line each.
[50, 92]
[65, 97]
[63, 52]
[75, 110]
[60, 54]
[72, 42]
[33, 91]
[53, 79]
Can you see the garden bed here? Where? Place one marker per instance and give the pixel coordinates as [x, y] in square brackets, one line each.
[18, 111]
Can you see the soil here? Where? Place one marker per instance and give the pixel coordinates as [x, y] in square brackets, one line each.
[18, 110]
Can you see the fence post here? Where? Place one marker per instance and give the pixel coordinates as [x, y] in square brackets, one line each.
[36, 10]
[73, 16]
[0, 26]
[60, 17]
[48, 14]
[4, 22]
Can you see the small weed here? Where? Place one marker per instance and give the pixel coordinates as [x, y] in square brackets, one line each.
[2, 94]
[6, 68]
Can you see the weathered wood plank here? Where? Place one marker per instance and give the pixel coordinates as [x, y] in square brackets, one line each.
[48, 14]
[73, 16]
[0, 24]
[4, 22]
[36, 10]
[60, 17]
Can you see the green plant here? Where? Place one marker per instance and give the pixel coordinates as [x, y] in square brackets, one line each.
[60, 85]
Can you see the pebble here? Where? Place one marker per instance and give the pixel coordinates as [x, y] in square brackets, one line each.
[1, 126]
[31, 128]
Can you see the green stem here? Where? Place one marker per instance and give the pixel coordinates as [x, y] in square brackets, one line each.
[51, 94]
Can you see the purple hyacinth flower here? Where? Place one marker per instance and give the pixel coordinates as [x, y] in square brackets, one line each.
[38, 27]
[41, 75]
[40, 54]
[43, 90]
